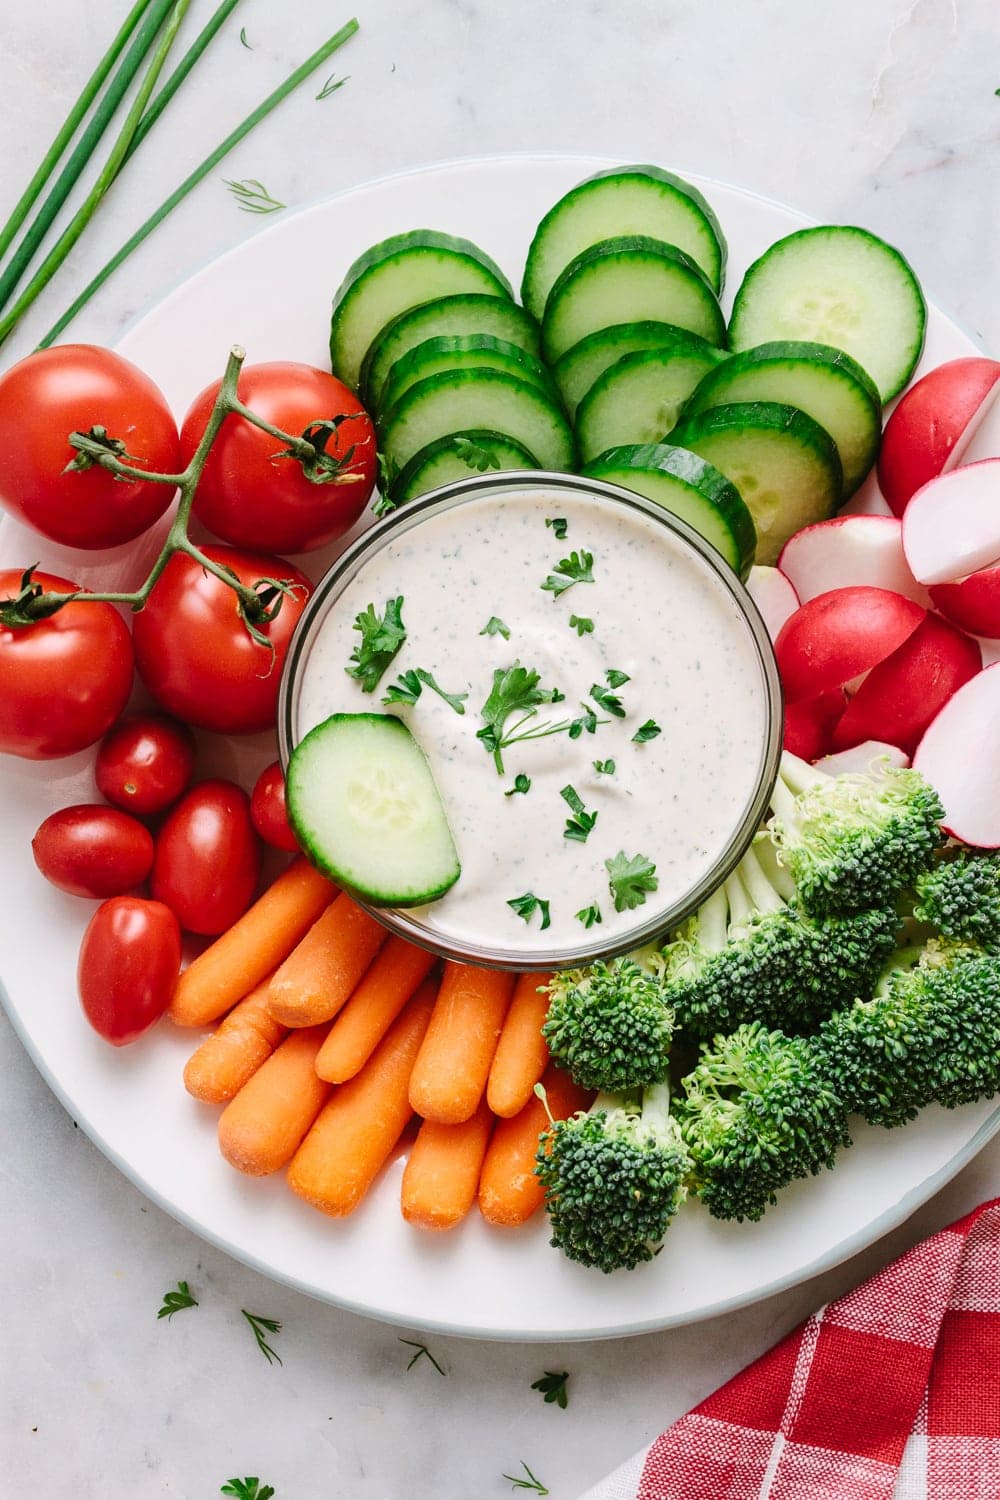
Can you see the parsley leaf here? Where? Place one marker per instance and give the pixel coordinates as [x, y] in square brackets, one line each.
[615, 678]
[422, 1353]
[588, 721]
[606, 699]
[604, 767]
[495, 626]
[247, 1489]
[522, 783]
[381, 638]
[577, 568]
[579, 827]
[515, 690]
[589, 916]
[175, 1301]
[581, 625]
[630, 878]
[474, 455]
[553, 1387]
[527, 905]
[647, 731]
[559, 525]
[409, 685]
[261, 1326]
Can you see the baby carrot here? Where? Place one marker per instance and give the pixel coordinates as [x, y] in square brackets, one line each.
[322, 970]
[376, 1002]
[241, 1042]
[265, 935]
[522, 1052]
[509, 1191]
[442, 1170]
[262, 1127]
[353, 1136]
[450, 1074]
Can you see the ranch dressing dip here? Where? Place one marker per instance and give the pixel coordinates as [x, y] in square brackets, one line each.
[661, 616]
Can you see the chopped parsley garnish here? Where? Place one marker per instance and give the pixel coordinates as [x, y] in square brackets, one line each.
[553, 1387]
[581, 625]
[647, 731]
[577, 568]
[630, 879]
[606, 699]
[615, 678]
[248, 1489]
[381, 637]
[175, 1301]
[522, 783]
[577, 827]
[588, 721]
[559, 525]
[604, 767]
[474, 455]
[409, 685]
[590, 915]
[527, 905]
[515, 690]
[495, 626]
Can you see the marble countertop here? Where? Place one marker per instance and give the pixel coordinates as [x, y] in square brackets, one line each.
[877, 112]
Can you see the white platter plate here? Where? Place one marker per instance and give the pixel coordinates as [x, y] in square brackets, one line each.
[272, 295]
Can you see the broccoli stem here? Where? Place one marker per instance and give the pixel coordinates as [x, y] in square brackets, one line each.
[797, 775]
[713, 921]
[656, 1104]
[764, 897]
[769, 861]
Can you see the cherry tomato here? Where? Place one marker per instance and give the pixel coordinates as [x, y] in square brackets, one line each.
[207, 859]
[193, 649]
[89, 850]
[63, 680]
[74, 388]
[253, 495]
[267, 808]
[145, 763]
[129, 961]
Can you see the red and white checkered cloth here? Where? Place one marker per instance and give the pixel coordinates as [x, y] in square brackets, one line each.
[889, 1393]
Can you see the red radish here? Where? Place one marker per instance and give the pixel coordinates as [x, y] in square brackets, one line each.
[900, 697]
[958, 756]
[973, 603]
[837, 636]
[850, 550]
[933, 424]
[860, 758]
[809, 724]
[774, 596]
[952, 526]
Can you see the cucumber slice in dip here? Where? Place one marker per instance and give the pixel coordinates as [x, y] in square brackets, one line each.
[366, 810]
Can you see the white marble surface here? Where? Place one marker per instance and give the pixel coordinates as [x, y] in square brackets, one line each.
[877, 112]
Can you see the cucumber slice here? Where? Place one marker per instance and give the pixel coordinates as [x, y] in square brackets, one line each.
[623, 200]
[460, 455]
[840, 285]
[826, 383]
[463, 399]
[688, 487]
[627, 280]
[576, 370]
[366, 811]
[639, 399]
[476, 350]
[397, 274]
[783, 463]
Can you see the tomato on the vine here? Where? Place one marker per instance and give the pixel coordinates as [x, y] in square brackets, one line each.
[252, 493]
[82, 388]
[130, 958]
[194, 651]
[145, 764]
[268, 810]
[90, 850]
[207, 859]
[64, 679]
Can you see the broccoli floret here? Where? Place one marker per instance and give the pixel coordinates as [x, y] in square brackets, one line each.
[853, 842]
[751, 953]
[757, 1113]
[961, 898]
[929, 1035]
[613, 1178]
[609, 1025]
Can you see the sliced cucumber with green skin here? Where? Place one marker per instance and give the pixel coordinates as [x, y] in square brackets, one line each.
[639, 399]
[460, 455]
[826, 383]
[576, 370]
[449, 352]
[366, 810]
[464, 313]
[689, 487]
[840, 285]
[784, 464]
[623, 200]
[624, 280]
[397, 274]
[462, 399]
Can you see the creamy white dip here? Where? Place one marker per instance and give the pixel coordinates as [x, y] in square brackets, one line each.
[660, 614]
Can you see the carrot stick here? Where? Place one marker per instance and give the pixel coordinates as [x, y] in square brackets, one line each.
[354, 1135]
[260, 1130]
[509, 1191]
[450, 1074]
[265, 935]
[522, 1052]
[442, 1171]
[376, 1002]
[241, 1042]
[319, 974]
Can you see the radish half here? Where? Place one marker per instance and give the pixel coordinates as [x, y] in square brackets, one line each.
[973, 603]
[834, 638]
[809, 724]
[774, 597]
[960, 757]
[859, 759]
[952, 526]
[850, 550]
[933, 425]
